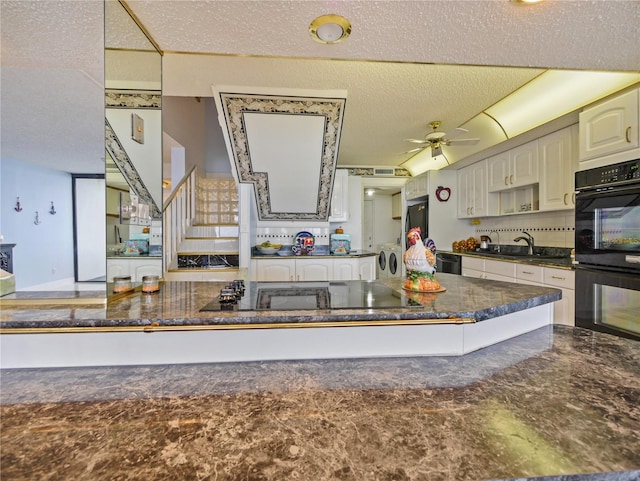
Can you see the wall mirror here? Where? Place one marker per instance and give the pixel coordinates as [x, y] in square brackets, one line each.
[53, 135]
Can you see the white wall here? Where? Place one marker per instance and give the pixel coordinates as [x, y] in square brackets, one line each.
[44, 252]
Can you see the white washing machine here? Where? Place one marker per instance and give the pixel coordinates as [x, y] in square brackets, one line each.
[390, 261]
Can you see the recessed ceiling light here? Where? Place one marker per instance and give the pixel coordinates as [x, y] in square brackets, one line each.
[525, 2]
[330, 29]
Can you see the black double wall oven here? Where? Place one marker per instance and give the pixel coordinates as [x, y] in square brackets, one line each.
[607, 249]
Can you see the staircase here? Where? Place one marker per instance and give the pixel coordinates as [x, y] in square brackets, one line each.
[208, 250]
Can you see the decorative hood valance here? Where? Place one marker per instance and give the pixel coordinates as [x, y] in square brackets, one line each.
[286, 144]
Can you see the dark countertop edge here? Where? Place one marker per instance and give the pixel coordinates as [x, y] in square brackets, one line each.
[142, 256]
[554, 263]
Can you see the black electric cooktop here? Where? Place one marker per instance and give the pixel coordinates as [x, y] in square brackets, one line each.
[294, 296]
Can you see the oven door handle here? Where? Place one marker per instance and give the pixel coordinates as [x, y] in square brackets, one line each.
[606, 192]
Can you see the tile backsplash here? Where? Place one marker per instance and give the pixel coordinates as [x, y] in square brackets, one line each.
[286, 234]
[549, 229]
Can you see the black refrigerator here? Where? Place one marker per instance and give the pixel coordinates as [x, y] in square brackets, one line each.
[417, 216]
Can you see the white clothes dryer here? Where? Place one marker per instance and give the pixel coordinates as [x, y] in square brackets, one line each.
[393, 256]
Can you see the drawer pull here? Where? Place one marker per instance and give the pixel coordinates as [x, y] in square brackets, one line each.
[527, 272]
[565, 198]
[559, 278]
[627, 134]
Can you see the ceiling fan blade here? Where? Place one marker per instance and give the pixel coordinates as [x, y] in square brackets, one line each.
[463, 141]
[415, 150]
[458, 132]
[416, 141]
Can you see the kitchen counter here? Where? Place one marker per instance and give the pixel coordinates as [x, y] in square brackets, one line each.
[556, 401]
[468, 315]
[180, 303]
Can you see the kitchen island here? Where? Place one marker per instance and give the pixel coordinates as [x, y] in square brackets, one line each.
[171, 326]
[556, 401]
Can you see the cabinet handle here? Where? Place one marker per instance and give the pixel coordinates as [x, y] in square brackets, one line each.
[506, 180]
[471, 210]
[468, 210]
[528, 273]
[565, 198]
[627, 134]
[557, 277]
[573, 198]
[511, 179]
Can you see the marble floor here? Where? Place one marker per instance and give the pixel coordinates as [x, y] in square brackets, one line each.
[552, 402]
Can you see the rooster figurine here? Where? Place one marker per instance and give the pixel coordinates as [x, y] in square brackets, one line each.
[419, 261]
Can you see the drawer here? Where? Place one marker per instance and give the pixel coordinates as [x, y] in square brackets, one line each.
[473, 263]
[559, 278]
[506, 269]
[530, 273]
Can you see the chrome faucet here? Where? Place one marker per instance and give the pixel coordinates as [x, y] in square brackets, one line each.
[498, 244]
[528, 240]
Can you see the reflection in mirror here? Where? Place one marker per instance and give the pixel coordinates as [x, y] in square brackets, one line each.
[53, 144]
[133, 141]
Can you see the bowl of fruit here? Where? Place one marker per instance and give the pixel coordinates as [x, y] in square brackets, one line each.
[268, 248]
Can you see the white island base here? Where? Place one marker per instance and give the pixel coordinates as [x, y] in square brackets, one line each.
[238, 343]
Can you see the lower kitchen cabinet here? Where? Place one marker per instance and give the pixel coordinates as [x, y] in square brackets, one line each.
[137, 268]
[314, 269]
[564, 279]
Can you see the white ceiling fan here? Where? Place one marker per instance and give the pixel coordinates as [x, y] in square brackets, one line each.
[436, 139]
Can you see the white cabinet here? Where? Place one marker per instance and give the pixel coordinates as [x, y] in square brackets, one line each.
[291, 270]
[611, 128]
[367, 268]
[563, 310]
[558, 164]
[339, 210]
[396, 206]
[564, 279]
[417, 186]
[472, 191]
[276, 270]
[515, 168]
[310, 268]
[137, 268]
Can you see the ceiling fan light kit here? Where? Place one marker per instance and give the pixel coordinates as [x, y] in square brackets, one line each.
[436, 139]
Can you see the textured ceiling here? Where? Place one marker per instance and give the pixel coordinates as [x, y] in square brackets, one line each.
[54, 48]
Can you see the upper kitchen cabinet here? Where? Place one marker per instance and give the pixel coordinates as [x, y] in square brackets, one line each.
[417, 186]
[472, 191]
[515, 168]
[611, 129]
[558, 164]
[340, 197]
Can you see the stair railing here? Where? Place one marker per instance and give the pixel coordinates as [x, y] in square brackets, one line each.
[179, 211]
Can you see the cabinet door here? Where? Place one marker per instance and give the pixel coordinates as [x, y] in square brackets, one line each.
[422, 184]
[523, 165]
[610, 127]
[345, 270]
[498, 172]
[150, 268]
[313, 269]
[480, 194]
[464, 210]
[367, 267]
[276, 270]
[557, 168]
[117, 268]
[396, 206]
[340, 197]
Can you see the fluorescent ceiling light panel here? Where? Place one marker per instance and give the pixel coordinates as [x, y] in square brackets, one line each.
[554, 94]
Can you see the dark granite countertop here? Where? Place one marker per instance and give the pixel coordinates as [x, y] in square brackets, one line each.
[559, 262]
[558, 402]
[180, 304]
[320, 251]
